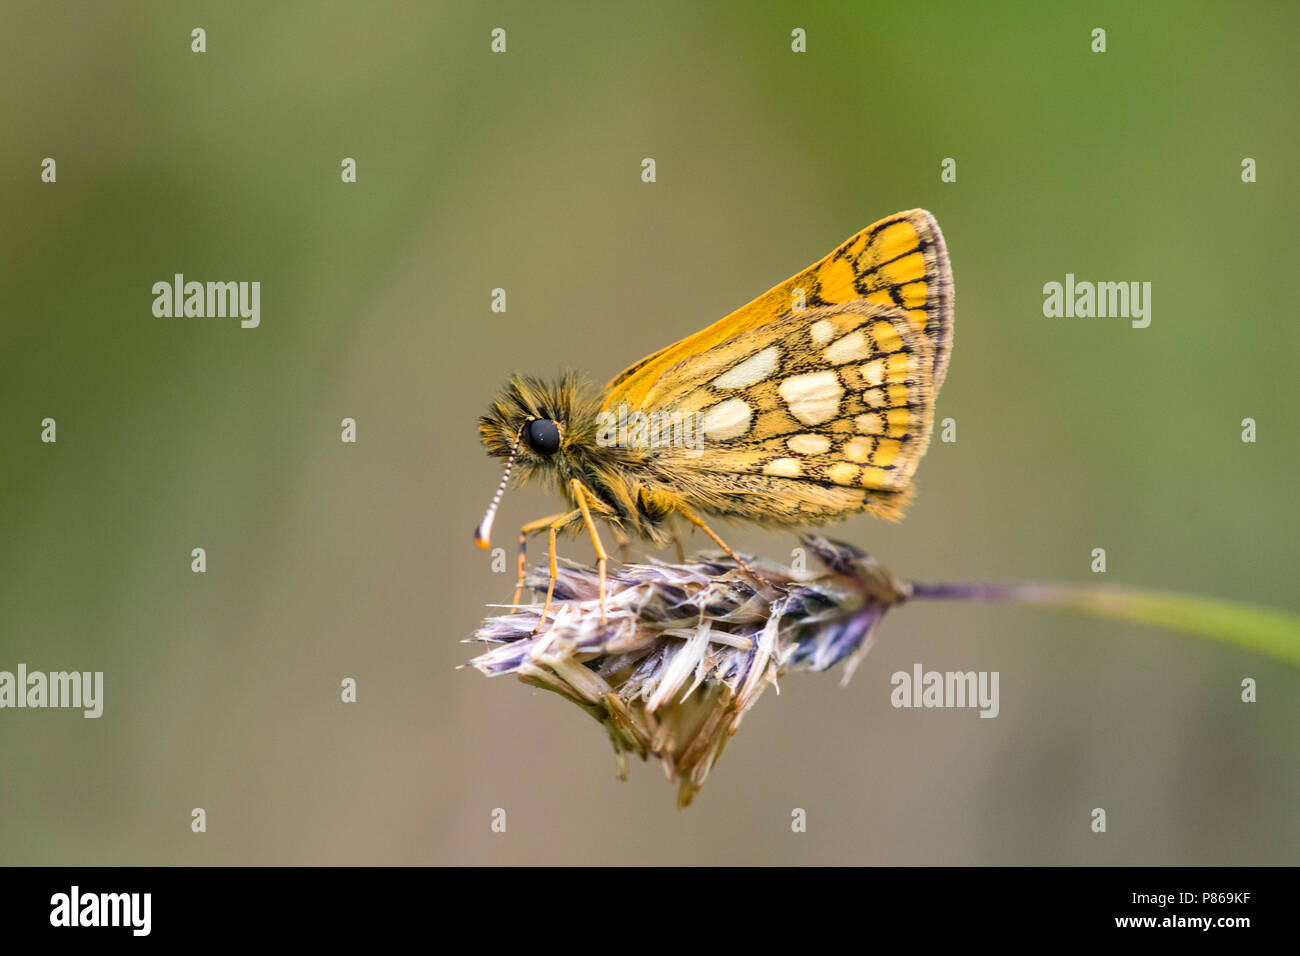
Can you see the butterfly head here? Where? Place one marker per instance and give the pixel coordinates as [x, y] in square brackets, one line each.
[541, 429]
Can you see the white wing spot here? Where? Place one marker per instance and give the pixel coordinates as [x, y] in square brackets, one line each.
[873, 373]
[852, 346]
[729, 419]
[809, 444]
[782, 467]
[870, 424]
[821, 331]
[858, 449]
[753, 369]
[814, 397]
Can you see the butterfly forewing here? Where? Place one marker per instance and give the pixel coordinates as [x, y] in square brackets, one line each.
[900, 261]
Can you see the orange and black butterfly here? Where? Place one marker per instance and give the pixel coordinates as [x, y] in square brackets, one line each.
[811, 403]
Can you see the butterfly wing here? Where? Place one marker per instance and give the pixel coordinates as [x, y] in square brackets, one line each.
[899, 262]
[807, 418]
[816, 400]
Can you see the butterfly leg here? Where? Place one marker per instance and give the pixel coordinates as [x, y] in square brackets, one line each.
[699, 523]
[623, 543]
[531, 528]
[556, 523]
[602, 558]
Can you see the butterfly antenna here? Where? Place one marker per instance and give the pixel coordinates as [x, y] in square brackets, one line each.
[483, 533]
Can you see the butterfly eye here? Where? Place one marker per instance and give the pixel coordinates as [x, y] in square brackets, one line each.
[542, 436]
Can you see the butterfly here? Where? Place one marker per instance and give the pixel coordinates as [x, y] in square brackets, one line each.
[813, 402]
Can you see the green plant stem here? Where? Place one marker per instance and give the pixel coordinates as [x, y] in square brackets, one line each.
[1266, 631]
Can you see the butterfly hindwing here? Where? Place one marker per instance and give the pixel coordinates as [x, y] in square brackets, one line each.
[824, 412]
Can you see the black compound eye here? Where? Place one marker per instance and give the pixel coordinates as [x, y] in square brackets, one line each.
[543, 436]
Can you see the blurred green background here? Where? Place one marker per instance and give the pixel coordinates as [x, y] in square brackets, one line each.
[522, 171]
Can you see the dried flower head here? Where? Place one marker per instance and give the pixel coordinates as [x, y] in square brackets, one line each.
[684, 650]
